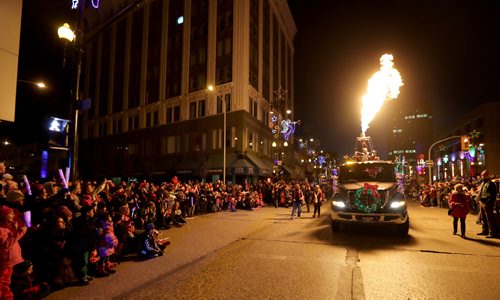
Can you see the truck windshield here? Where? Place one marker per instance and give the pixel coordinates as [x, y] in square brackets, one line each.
[366, 172]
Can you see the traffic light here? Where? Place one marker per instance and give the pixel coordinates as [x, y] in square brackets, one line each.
[465, 142]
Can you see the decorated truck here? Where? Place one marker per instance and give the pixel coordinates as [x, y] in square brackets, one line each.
[368, 193]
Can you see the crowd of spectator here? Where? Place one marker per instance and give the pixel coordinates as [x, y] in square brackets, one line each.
[438, 193]
[70, 233]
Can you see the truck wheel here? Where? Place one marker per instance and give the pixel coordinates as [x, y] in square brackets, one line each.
[404, 228]
[335, 226]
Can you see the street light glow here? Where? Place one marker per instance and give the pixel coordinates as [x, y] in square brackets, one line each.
[65, 32]
[40, 84]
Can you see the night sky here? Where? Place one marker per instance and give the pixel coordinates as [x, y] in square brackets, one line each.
[41, 54]
[448, 53]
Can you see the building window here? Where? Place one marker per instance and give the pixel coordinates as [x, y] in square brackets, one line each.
[177, 113]
[228, 46]
[219, 105]
[228, 102]
[171, 145]
[117, 126]
[214, 139]
[192, 110]
[202, 55]
[102, 129]
[155, 118]
[133, 149]
[252, 106]
[136, 122]
[219, 48]
[201, 108]
[148, 119]
[169, 114]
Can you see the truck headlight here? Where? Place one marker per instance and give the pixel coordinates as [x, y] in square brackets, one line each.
[339, 204]
[397, 204]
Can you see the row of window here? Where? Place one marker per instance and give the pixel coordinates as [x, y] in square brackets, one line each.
[195, 142]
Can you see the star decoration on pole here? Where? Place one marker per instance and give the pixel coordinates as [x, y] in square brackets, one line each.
[280, 95]
[474, 134]
[442, 148]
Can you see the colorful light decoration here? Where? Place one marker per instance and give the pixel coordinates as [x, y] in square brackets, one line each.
[95, 3]
[74, 4]
[45, 160]
[321, 160]
[288, 128]
[472, 151]
[474, 134]
[367, 198]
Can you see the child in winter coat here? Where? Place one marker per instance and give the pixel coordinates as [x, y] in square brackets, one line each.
[152, 246]
[107, 244]
[22, 283]
[10, 251]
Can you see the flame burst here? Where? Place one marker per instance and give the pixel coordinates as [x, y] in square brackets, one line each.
[382, 86]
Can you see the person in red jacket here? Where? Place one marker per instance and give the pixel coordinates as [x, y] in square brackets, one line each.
[10, 251]
[460, 208]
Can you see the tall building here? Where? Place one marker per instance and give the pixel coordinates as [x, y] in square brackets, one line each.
[411, 134]
[160, 75]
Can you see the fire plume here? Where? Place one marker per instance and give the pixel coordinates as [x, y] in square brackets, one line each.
[382, 86]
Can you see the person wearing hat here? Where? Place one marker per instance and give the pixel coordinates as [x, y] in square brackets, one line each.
[83, 241]
[22, 283]
[10, 251]
[16, 198]
[152, 246]
[486, 196]
[459, 207]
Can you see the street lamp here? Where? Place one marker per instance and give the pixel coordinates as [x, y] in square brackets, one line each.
[429, 154]
[224, 109]
[66, 33]
[39, 84]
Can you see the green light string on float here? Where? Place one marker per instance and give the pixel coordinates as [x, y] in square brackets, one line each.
[367, 199]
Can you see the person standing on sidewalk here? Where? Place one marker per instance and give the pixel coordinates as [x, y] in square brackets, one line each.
[486, 196]
[460, 208]
[10, 251]
[318, 198]
[298, 198]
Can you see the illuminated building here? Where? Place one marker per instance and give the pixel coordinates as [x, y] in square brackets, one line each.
[148, 65]
[411, 132]
[481, 126]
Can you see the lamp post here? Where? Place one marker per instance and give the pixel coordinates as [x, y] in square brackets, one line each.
[429, 153]
[65, 32]
[224, 110]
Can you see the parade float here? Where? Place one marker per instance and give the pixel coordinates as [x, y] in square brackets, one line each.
[368, 189]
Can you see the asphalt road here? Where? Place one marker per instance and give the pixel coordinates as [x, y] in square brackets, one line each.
[264, 255]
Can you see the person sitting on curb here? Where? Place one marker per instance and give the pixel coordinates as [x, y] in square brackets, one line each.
[152, 246]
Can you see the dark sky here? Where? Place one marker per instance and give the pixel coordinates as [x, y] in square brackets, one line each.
[41, 54]
[448, 53]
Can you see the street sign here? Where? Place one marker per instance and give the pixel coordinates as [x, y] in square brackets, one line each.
[429, 163]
